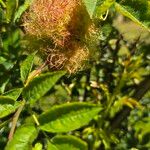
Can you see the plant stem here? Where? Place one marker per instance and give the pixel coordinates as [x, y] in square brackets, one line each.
[3, 4]
[141, 90]
[14, 121]
[36, 120]
[35, 73]
[116, 91]
[37, 123]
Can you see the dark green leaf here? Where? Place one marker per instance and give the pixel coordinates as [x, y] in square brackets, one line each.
[137, 10]
[13, 94]
[68, 117]
[7, 106]
[23, 138]
[40, 85]
[26, 67]
[4, 123]
[69, 142]
[3, 83]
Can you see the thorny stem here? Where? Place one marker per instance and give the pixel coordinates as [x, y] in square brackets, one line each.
[14, 121]
[35, 73]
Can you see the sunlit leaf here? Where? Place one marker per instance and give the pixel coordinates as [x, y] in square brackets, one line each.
[51, 146]
[22, 9]
[142, 128]
[137, 10]
[10, 9]
[66, 142]
[102, 7]
[40, 85]
[7, 106]
[23, 138]
[90, 6]
[68, 117]
[26, 67]
[14, 93]
[38, 146]
[2, 3]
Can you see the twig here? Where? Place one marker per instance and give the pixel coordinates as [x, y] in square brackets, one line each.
[116, 91]
[35, 73]
[139, 93]
[3, 4]
[14, 121]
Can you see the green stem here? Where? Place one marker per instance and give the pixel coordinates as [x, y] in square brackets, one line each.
[35, 119]
[37, 123]
[3, 4]
[35, 73]
[14, 121]
[116, 91]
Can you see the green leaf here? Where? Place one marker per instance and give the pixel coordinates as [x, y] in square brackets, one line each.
[38, 146]
[142, 128]
[3, 83]
[69, 142]
[2, 59]
[7, 106]
[90, 6]
[13, 94]
[4, 123]
[23, 138]
[22, 9]
[40, 85]
[2, 3]
[137, 10]
[10, 9]
[50, 146]
[26, 67]
[103, 7]
[68, 117]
